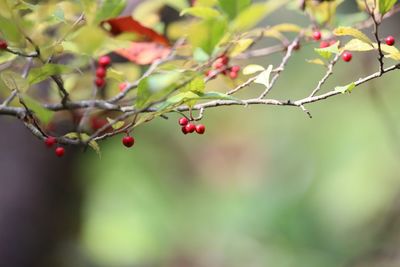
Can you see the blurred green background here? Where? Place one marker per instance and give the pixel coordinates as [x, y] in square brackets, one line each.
[265, 186]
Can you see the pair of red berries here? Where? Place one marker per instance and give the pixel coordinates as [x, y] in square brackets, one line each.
[221, 65]
[101, 71]
[128, 141]
[50, 141]
[188, 127]
[3, 44]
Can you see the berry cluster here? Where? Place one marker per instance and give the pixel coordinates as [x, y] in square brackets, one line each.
[221, 65]
[188, 127]
[50, 141]
[101, 71]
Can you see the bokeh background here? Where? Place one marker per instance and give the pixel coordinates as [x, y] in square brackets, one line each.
[265, 186]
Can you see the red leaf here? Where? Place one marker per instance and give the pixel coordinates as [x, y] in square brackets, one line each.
[128, 24]
[144, 53]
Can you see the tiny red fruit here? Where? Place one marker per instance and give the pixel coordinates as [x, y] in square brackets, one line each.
[183, 121]
[184, 131]
[104, 61]
[347, 56]
[323, 44]
[390, 40]
[190, 127]
[122, 86]
[233, 75]
[100, 82]
[128, 141]
[235, 68]
[200, 129]
[317, 35]
[224, 59]
[50, 141]
[3, 44]
[60, 151]
[101, 72]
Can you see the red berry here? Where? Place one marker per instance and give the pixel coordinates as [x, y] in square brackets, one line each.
[50, 141]
[317, 35]
[233, 75]
[122, 86]
[60, 151]
[200, 129]
[101, 72]
[235, 68]
[190, 127]
[3, 44]
[183, 121]
[224, 59]
[323, 44]
[128, 141]
[390, 40]
[100, 82]
[104, 61]
[347, 56]
[184, 131]
[219, 65]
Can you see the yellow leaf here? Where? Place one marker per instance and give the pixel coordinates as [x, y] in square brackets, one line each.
[252, 68]
[240, 46]
[286, 27]
[341, 31]
[357, 45]
[316, 61]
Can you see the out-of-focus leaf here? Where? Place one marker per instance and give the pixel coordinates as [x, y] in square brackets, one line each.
[144, 53]
[386, 5]
[252, 68]
[253, 14]
[39, 74]
[155, 88]
[43, 114]
[240, 46]
[264, 77]
[201, 12]
[14, 81]
[233, 8]
[109, 9]
[316, 61]
[286, 27]
[128, 24]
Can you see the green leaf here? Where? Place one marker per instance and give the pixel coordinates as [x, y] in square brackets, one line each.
[201, 12]
[327, 51]
[386, 5]
[110, 9]
[85, 137]
[116, 75]
[10, 31]
[264, 77]
[233, 8]
[14, 81]
[196, 85]
[252, 68]
[342, 31]
[345, 89]
[200, 55]
[43, 114]
[115, 124]
[39, 74]
[155, 87]
[254, 14]
[93, 33]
